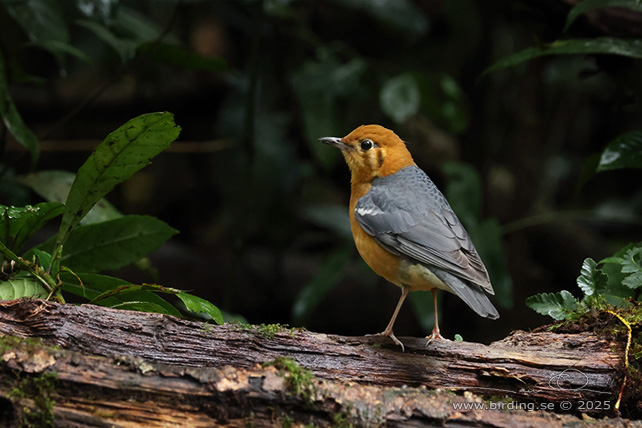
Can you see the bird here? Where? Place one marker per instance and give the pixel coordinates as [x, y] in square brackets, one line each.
[405, 229]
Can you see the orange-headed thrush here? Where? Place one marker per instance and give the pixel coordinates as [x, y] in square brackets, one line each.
[403, 226]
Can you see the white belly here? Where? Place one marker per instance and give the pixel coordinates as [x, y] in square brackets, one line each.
[419, 277]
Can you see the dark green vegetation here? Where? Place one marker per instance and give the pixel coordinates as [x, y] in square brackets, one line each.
[511, 107]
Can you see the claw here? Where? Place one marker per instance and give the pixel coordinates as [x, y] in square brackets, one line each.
[392, 336]
[435, 335]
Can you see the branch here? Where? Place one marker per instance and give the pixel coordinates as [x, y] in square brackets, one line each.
[178, 370]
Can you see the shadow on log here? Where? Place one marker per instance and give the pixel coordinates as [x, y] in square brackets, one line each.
[122, 368]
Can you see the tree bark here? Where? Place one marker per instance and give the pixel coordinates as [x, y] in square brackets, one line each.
[123, 368]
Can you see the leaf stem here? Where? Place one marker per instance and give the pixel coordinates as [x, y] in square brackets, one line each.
[47, 281]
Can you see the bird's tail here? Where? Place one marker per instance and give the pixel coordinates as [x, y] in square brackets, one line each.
[469, 292]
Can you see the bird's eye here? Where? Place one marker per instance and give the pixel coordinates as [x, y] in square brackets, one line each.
[366, 144]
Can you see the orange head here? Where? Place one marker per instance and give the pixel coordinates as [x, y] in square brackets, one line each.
[372, 151]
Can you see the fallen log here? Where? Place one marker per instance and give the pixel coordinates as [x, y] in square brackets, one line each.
[113, 362]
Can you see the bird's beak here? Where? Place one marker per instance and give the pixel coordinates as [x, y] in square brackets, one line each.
[336, 142]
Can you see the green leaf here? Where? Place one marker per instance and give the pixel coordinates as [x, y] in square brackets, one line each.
[180, 57]
[22, 287]
[589, 5]
[126, 49]
[54, 185]
[601, 45]
[18, 224]
[400, 97]
[43, 257]
[201, 307]
[592, 280]
[112, 244]
[12, 119]
[557, 305]
[124, 295]
[632, 265]
[625, 151]
[319, 286]
[617, 280]
[44, 23]
[124, 152]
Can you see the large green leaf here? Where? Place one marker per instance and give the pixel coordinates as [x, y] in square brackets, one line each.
[18, 224]
[633, 266]
[53, 185]
[400, 97]
[112, 244]
[589, 5]
[601, 45]
[201, 307]
[124, 152]
[22, 287]
[12, 119]
[623, 152]
[557, 305]
[592, 280]
[122, 294]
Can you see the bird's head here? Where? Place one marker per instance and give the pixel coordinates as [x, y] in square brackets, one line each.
[372, 151]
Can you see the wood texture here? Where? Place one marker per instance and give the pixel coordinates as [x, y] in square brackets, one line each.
[139, 369]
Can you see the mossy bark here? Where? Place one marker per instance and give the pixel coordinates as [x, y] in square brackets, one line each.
[125, 368]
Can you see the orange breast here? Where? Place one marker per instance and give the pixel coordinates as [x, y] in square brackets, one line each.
[383, 262]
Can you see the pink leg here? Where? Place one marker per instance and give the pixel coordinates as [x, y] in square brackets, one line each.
[435, 330]
[388, 331]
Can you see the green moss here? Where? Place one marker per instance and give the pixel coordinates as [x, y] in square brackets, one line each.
[38, 389]
[31, 392]
[28, 344]
[297, 379]
[340, 420]
[269, 331]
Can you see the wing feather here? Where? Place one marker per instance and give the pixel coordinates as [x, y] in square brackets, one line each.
[408, 215]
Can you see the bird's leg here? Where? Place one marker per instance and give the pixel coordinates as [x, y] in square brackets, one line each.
[388, 331]
[435, 331]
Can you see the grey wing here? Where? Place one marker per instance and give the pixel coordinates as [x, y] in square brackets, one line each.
[408, 215]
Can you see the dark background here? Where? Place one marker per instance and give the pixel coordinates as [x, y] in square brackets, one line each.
[262, 206]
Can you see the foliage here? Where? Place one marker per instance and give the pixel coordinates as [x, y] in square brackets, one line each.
[261, 205]
[68, 261]
[619, 280]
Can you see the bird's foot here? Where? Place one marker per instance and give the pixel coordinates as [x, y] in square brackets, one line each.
[435, 335]
[392, 336]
